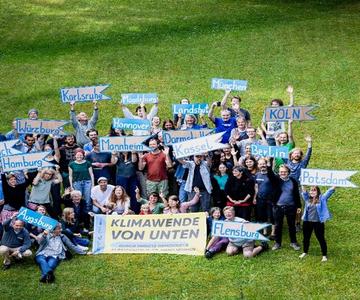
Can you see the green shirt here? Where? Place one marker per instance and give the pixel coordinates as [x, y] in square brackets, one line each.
[80, 171]
[157, 210]
[280, 161]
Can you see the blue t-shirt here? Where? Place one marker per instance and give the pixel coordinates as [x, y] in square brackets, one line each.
[226, 126]
[287, 197]
[265, 188]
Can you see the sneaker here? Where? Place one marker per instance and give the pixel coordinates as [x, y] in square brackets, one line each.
[276, 246]
[209, 254]
[302, 255]
[295, 246]
[264, 245]
[43, 279]
[83, 248]
[324, 259]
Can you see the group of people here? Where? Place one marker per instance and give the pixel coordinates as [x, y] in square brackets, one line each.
[229, 184]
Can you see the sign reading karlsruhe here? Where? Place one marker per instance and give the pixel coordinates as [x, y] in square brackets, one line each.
[199, 145]
[54, 127]
[177, 136]
[228, 84]
[238, 230]
[176, 234]
[193, 109]
[6, 148]
[131, 124]
[326, 177]
[285, 113]
[34, 218]
[84, 93]
[123, 144]
[269, 151]
[135, 98]
[25, 161]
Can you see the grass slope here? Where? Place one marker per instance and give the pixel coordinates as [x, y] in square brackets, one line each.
[174, 48]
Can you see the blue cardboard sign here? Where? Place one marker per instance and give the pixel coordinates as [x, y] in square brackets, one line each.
[131, 124]
[177, 136]
[193, 109]
[135, 98]
[34, 218]
[228, 84]
[238, 230]
[285, 113]
[54, 127]
[24, 161]
[6, 148]
[84, 93]
[269, 151]
[123, 144]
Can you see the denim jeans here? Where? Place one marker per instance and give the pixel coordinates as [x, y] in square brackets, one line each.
[204, 204]
[84, 186]
[183, 197]
[46, 264]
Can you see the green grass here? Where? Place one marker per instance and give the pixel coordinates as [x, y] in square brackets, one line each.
[174, 48]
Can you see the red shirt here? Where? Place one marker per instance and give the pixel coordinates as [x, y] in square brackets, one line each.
[156, 166]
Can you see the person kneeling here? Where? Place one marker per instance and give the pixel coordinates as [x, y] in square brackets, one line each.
[234, 244]
[51, 251]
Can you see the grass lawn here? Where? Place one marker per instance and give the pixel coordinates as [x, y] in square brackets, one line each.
[174, 48]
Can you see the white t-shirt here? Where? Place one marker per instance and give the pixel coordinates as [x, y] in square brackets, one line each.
[101, 196]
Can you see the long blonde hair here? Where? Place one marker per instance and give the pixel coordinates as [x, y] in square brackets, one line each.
[66, 215]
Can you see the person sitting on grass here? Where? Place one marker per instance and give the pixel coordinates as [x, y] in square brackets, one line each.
[216, 244]
[316, 213]
[119, 202]
[52, 250]
[72, 229]
[15, 242]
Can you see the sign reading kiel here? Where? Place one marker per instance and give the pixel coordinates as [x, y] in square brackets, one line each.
[228, 84]
[131, 124]
[200, 108]
[6, 148]
[84, 93]
[139, 98]
[34, 218]
[285, 113]
[238, 230]
[123, 144]
[41, 126]
[24, 161]
[269, 151]
[326, 177]
[199, 145]
[177, 136]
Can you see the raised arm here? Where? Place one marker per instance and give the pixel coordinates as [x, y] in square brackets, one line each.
[141, 163]
[74, 120]
[290, 131]
[95, 115]
[211, 112]
[224, 99]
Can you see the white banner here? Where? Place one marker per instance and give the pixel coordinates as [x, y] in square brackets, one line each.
[199, 146]
[25, 161]
[326, 177]
[6, 148]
